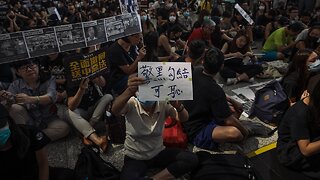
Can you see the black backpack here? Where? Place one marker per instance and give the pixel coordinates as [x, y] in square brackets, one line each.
[223, 167]
[90, 166]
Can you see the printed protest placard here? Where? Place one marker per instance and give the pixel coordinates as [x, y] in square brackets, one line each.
[114, 27]
[94, 32]
[33, 43]
[131, 23]
[12, 47]
[244, 14]
[41, 41]
[165, 81]
[85, 66]
[128, 6]
[70, 37]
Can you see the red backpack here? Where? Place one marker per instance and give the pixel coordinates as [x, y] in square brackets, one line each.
[173, 135]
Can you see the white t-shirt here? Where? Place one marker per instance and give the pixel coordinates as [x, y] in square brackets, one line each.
[143, 132]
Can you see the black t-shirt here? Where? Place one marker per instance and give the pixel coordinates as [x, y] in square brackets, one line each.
[209, 103]
[90, 97]
[26, 168]
[291, 86]
[117, 57]
[294, 127]
[55, 68]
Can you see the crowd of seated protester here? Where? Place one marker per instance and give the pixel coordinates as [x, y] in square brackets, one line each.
[214, 38]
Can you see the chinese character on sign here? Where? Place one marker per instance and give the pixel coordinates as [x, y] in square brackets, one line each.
[173, 91]
[156, 90]
[172, 74]
[185, 73]
[94, 64]
[102, 60]
[159, 75]
[75, 70]
[146, 72]
[85, 67]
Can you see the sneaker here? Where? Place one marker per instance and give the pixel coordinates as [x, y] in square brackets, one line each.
[231, 81]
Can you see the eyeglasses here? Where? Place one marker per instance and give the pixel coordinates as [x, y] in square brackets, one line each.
[27, 66]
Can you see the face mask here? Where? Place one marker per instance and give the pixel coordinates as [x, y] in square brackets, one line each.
[144, 18]
[315, 66]
[147, 104]
[172, 18]
[4, 136]
[77, 5]
[186, 14]
[261, 7]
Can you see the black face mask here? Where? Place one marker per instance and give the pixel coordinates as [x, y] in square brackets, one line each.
[11, 17]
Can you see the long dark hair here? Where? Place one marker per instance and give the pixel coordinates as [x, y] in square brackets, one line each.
[298, 65]
[232, 45]
[151, 45]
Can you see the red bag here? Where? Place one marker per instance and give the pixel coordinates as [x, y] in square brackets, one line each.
[173, 135]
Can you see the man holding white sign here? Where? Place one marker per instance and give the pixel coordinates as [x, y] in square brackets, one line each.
[144, 143]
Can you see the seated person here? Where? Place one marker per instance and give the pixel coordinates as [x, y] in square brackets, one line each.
[278, 22]
[203, 33]
[210, 119]
[235, 51]
[87, 106]
[123, 58]
[281, 41]
[195, 53]
[22, 150]
[144, 142]
[34, 101]
[53, 64]
[294, 82]
[298, 144]
[309, 38]
[169, 43]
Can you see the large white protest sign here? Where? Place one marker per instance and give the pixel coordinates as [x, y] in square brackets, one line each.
[244, 14]
[165, 81]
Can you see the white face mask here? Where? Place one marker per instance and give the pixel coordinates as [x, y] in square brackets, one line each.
[172, 18]
[261, 7]
[315, 66]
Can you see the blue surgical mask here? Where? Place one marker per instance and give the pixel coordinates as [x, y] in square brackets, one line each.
[144, 18]
[147, 104]
[315, 66]
[186, 14]
[4, 135]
